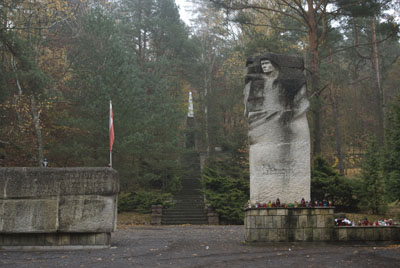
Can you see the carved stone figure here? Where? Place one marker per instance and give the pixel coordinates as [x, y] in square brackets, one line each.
[276, 104]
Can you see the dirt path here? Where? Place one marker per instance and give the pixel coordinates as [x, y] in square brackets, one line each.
[203, 246]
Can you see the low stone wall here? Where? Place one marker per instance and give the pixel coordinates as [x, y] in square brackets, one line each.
[366, 234]
[309, 225]
[63, 203]
[288, 224]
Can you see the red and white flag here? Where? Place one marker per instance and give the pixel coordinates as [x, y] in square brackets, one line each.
[111, 127]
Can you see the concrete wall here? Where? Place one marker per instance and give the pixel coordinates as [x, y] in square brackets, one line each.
[366, 234]
[58, 200]
[288, 224]
[308, 225]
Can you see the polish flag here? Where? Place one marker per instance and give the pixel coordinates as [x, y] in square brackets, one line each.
[111, 127]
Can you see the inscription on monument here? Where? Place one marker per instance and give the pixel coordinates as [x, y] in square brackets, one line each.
[268, 170]
[51, 184]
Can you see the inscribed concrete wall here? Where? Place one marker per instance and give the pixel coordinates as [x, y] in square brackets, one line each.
[57, 200]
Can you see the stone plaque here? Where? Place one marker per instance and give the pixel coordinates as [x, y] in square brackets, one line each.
[28, 216]
[82, 213]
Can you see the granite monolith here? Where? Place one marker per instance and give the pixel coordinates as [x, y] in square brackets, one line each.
[279, 141]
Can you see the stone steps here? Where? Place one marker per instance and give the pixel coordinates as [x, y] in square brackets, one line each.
[186, 216]
[187, 197]
[184, 210]
[189, 205]
[184, 204]
[178, 222]
[192, 190]
[190, 215]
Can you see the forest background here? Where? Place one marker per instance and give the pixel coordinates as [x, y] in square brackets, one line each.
[62, 61]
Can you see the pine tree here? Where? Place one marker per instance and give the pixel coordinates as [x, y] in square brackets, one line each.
[226, 188]
[327, 183]
[392, 152]
[372, 195]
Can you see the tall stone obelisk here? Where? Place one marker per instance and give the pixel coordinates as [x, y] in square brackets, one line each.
[189, 205]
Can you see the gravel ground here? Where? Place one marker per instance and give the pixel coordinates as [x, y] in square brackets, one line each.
[203, 246]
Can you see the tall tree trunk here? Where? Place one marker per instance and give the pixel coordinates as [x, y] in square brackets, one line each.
[35, 112]
[140, 30]
[19, 88]
[314, 60]
[378, 84]
[335, 113]
[206, 108]
[38, 131]
[208, 65]
[338, 141]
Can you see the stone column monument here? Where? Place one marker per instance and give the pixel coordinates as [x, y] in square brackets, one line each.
[276, 104]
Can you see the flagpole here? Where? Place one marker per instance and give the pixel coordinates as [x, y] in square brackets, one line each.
[111, 159]
[111, 131]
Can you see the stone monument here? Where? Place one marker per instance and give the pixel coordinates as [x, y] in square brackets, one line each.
[57, 208]
[189, 207]
[276, 104]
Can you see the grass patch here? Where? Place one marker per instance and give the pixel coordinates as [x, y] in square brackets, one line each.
[128, 219]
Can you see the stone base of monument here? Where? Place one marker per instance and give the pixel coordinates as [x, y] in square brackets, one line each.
[267, 225]
[289, 224]
[57, 207]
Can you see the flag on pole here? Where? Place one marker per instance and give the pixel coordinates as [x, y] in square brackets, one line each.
[111, 127]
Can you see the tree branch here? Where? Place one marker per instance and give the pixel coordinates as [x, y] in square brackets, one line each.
[359, 80]
[299, 10]
[272, 26]
[319, 91]
[241, 6]
[269, 25]
[4, 142]
[360, 45]
[356, 44]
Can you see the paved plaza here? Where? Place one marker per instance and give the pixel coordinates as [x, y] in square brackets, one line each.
[203, 246]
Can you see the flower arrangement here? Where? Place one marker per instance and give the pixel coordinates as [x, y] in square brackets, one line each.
[302, 204]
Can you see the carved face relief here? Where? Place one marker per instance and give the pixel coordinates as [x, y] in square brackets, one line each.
[267, 66]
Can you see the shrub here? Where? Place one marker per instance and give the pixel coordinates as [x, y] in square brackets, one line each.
[142, 200]
[226, 191]
[327, 183]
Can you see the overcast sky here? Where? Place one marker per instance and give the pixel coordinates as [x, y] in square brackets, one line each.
[182, 4]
